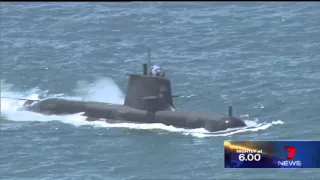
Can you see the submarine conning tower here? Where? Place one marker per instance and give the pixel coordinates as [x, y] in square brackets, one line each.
[147, 92]
[150, 93]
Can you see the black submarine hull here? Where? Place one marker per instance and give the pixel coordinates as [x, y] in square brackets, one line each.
[148, 100]
[98, 110]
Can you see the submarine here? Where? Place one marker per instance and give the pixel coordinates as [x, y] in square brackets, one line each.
[148, 99]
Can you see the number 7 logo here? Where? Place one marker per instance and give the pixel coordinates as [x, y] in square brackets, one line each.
[291, 150]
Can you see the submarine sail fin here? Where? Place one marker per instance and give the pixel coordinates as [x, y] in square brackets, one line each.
[155, 97]
[149, 98]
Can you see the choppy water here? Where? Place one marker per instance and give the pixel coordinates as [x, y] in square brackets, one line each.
[261, 57]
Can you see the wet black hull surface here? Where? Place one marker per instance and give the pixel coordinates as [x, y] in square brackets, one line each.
[120, 113]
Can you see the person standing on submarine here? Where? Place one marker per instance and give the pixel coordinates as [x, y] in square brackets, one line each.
[155, 71]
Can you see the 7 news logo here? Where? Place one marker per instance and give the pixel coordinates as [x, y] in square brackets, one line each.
[289, 162]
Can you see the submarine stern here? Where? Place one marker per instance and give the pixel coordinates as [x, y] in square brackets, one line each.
[223, 123]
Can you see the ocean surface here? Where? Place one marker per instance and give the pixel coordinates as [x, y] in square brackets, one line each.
[263, 58]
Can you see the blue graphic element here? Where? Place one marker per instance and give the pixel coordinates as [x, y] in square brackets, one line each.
[307, 154]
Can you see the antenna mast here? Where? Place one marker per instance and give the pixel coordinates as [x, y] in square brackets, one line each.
[149, 59]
